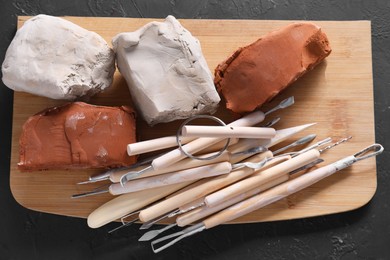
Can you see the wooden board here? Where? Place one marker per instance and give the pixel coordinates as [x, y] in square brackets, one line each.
[338, 95]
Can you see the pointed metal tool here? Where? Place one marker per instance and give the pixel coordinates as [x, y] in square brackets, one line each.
[108, 174]
[272, 122]
[284, 104]
[153, 233]
[126, 223]
[150, 223]
[301, 141]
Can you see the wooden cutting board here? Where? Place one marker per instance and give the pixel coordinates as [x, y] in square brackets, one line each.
[338, 95]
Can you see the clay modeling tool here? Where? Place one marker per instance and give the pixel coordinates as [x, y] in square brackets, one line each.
[170, 141]
[164, 143]
[162, 179]
[299, 142]
[252, 182]
[155, 144]
[269, 162]
[192, 174]
[272, 195]
[127, 203]
[124, 222]
[187, 169]
[215, 183]
[202, 143]
[272, 122]
[114, 175]
[228, 131]
[204, 211]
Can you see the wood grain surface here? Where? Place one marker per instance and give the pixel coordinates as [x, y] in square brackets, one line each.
[338, 95]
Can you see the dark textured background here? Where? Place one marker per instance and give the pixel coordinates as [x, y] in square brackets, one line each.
[360, 234]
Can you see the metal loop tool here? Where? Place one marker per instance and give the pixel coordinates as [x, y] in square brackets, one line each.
[178, 134]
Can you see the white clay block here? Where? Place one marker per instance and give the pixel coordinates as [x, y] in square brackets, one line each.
[166, 72]
[55, 58]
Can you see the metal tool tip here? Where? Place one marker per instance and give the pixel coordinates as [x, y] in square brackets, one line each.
[287, 102]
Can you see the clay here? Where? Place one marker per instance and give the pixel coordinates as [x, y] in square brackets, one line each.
[166, 72]
[54, 58]
[256, 73]
[77, 136]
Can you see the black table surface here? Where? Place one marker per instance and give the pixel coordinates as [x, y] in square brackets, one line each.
[360, 234]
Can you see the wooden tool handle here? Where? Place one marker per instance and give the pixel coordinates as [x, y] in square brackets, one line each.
[200, 213]
[192, 185]
[198, 192]
[182, 165]
[199, 144]
[218, 146]
[267, 175]
[125, 204]
[228, 131]
[269, 196]
[155, 144]
[171, 178]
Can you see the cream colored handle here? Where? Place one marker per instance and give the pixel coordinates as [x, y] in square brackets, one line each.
[199, 191]
[201, 143]
[127, 203]
[194, 184]
[200, 213]
[269, 196]
[155, 144]
[171, 178]
[182, 165]
[228, 131]
[267, 175]
[218, 146]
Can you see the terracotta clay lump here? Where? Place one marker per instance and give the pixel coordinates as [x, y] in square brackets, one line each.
[256, 73]
[77, 136]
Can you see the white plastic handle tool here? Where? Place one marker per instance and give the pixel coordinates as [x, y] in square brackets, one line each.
[155, 144]
[182, 165]
[202, 143]
[265, 176]
[228, 131]
[204, 211]
[127, 203]
[214, 184]
[172, 178]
